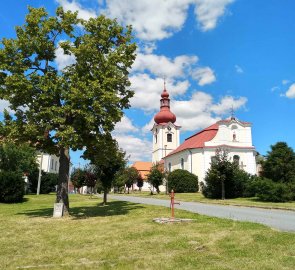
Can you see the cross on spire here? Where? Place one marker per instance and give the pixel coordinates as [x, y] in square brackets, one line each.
[164, 82]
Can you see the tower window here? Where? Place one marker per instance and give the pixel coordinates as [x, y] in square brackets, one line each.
[156, 138]
[182, 163]
[169, 137]
[169, 167]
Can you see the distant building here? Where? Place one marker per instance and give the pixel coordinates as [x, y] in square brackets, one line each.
[143, 168]
[50, 163]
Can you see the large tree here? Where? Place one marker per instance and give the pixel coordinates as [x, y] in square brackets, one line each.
[56, 110]
[280, 163]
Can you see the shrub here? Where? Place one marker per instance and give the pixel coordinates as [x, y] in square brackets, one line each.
[48, 182]
[182, 181]
[12, 187]
[267, 190]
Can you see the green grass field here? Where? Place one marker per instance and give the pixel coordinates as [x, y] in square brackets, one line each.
[198, 197]
[122, 235]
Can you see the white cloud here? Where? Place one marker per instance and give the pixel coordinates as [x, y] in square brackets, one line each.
[163, 66]
[156, 20]
[151, 19]
[136, 148]
[239, 69]
[209, 11]
[125, 126]
[148, 90]
[83, 13]
[291, 91]
[204, 75]
[63, 60]
[275, 88]
[227, 103]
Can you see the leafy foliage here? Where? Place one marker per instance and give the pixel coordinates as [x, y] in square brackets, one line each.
[48, 182]
[11, 187]
[17, 158]
[155, 177]
[267, 190]
[74, 107]
[182, 181]
[107, 160]
[139, 182]
[224, 176]
[78, 177]
[280, 163]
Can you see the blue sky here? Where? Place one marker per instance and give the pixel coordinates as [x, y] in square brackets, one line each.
[215, 55]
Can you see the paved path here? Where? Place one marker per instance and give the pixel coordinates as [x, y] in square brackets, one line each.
[278, 219]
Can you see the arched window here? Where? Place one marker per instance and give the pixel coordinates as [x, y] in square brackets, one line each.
[236, 159]
[169, 167]
[182, 163]
[169, 137]
[156, 138]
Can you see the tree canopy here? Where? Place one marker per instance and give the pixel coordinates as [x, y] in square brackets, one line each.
[155, 177]
[279, 164]
[74, 107]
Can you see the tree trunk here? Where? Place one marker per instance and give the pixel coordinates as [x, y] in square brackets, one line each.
[105, 193]
[63, 179]
[222, 189]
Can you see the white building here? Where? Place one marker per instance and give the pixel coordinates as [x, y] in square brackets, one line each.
[196, 152]
[50, 163]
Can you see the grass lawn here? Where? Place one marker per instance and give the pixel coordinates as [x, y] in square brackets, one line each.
[122, 235]
[198, 197]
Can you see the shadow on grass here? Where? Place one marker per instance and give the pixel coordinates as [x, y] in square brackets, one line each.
[111, 209]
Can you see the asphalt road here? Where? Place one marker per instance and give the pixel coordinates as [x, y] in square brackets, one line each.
[278, 219]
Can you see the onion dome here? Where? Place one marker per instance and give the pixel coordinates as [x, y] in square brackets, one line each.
[165, 116]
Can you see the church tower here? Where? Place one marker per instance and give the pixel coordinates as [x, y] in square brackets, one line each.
[165, 132]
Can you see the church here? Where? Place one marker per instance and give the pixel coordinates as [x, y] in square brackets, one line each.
[196, 153]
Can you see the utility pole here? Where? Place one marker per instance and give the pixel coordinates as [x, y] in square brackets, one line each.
[40, 174]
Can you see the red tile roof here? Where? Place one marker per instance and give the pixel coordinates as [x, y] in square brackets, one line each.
[198, 140]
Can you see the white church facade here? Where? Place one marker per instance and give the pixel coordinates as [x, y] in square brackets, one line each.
[196, 153]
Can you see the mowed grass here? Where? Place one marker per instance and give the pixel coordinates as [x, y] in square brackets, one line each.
[199, 197]
[122, 235]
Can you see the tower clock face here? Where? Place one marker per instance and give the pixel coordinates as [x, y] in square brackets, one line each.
[169, 128]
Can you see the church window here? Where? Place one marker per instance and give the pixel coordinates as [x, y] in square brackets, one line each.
[51, 165]
[169, 167]
[182, 163]
[55, 165]
[169, 137]
[236, 159]
[156, 138]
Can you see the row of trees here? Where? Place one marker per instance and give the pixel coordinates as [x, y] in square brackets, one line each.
[277, 181]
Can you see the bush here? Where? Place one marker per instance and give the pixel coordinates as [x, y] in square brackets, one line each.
[48, 182]
[234, 184]
[267, 190]
[182, 181]
[12, 187]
